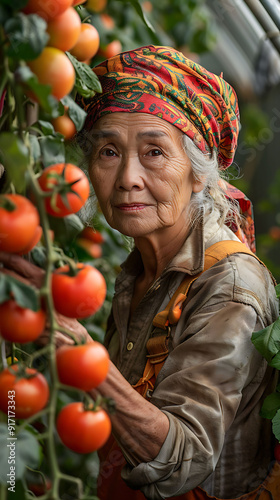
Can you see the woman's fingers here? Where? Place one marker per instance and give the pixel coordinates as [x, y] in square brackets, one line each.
[22, 267]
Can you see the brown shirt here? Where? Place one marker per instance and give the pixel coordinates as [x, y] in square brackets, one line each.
[213, 382]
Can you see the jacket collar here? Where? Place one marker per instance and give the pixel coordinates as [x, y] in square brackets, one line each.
[190, 258]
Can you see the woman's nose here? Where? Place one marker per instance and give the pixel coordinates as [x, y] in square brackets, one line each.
[130, 174]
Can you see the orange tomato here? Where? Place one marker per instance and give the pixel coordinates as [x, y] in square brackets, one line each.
[274, 233]
[108, 21]
[87, 44]
[47, 9]
[78, 2]
[96, 5]
[111, 50]
[64, 30]
[65, 126]
[53, 68]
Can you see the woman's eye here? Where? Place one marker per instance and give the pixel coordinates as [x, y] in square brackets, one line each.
[108, 152]
[155, 152]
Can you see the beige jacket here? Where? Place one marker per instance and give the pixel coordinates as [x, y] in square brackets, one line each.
[213, 382]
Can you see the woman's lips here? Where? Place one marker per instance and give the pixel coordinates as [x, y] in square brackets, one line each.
[131, 207]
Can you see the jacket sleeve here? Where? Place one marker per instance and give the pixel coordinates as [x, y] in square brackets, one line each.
[200, 389]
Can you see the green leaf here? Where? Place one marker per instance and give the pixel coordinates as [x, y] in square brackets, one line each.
[267, 341]
[276, 425]
[77, 114]
[138, 7]
[52, 149]
[46, 127]
[275, 362]
[34, 147]
[39, 256]
[27, 36]
[270, 405]
[25, 295]
[87, 83]
[66, 228]
[17, 4]
[18, 452]
[277, 290]
[24, 75]
[14, 156]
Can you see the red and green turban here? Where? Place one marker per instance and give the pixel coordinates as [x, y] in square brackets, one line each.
[163, 82]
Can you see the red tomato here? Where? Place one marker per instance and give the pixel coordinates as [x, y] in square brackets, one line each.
[78, 296]
[93, 249]
[91, 234]
[83, 366]
[19, 220]
[87, 44]
[18, 324]
[47, 9]
[27, 395]
[37, 236]
[52, 176]
[83, 431]
[64, 30]
[53, 68]
[78, 2]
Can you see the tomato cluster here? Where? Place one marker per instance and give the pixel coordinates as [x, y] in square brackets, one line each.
[83, 429]
[66, 32]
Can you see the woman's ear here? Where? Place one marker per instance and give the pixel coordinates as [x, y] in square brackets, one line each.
[198, 185]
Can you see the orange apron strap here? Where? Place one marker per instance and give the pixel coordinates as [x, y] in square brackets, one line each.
[157, 348]
[171, 314]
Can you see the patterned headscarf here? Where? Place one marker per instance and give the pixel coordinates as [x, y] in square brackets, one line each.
[163, 82]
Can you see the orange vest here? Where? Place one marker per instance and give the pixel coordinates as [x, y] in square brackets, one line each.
[110, 485]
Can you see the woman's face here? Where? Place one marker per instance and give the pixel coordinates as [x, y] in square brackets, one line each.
[140, 172]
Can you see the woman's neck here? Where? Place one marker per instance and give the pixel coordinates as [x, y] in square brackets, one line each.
[158, 249]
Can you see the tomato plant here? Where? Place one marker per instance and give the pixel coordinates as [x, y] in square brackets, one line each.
[64, 30]
[69, 187]
[82, 366]
[87, 44]
[31, 391]
[18, 324]
[79, 295]
[81, 430]
[19, 220]
[53, 68]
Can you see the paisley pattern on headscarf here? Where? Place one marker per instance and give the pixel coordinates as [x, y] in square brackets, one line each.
[163, 82]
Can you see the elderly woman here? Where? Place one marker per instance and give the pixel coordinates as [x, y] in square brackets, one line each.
[187, 381]
[159, 134]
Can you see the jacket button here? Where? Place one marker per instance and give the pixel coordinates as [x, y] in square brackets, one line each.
[129, 346]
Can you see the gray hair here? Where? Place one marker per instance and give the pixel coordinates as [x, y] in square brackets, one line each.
[212, 197]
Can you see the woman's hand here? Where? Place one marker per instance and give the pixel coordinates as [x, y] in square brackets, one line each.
[28, 273]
